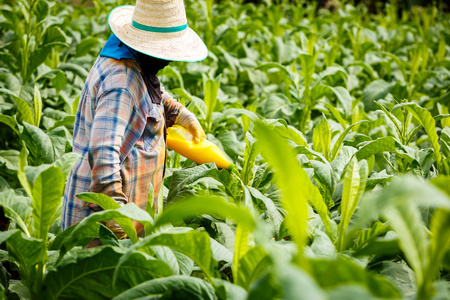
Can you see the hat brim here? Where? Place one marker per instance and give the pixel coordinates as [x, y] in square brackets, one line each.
[184, 45]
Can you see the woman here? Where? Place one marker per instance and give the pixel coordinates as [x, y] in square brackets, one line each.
[123, 112]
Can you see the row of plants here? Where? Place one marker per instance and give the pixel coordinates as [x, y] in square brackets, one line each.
[338, 123]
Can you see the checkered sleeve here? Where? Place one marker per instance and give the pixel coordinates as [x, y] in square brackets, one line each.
[171, 107]
[116, 127]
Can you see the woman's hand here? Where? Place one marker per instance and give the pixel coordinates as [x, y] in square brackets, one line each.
[188, 120]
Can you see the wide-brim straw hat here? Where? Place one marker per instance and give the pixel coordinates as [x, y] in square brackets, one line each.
[157, 28]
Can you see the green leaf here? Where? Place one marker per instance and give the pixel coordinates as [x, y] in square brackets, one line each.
[376, 90]
[272, 210]
[11, 122]
[290, 175]
[21, 172]
[401, 276]
[37, 106]
[194, 244]
[225, 290]
[85, 46]
[17, 208]
[286, 282]
[83, 237]
[211, 89]
[24, 109]
[251, 151]
[38, 56]
[173, 287]
[308, 64]
[350, 292]
[10, 158]
[340, 140]
[399, 203]
[26, 252]
[66, 162]
[365, 236]
[341, 93]
[107, 237]
[47, 191]
[49, 146]
[66, 121]
[182, 179]
[240, 248]
[278, 106]
[354, 186]
[439, 245]
[343, 271]
[213, 206]
[120, 215]
[324, 137]
[87, 274]
[280, 126]
[75, 69]
[169, 71]
[220, 252]
[428, 123]
[384, 144]
[251, 266]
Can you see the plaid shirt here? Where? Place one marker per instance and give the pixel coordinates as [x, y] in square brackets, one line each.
[119, 134]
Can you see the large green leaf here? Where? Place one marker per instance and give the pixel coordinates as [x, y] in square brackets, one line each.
[365, 236]
[66, 162]
[251, 265]
[194, 244]
[428, 123]
[17, 208]
[399, 203]
[286, 282]
[240, 248]
[88, 274]
[182, 179]
[214, 206]
[130, 211]
[27, 252]
[323, 140]
[211, 89]
[343, 271]
[250, 153]
[337, 145]
[82, 238]
[401, 276]
[48, 147]
[290, 176]
[102, 200]
[173, 287]
[47, 191]
[37, 106]
[272, 211]
[11, 122]
[439, 245]
[225, 290]
[10, 158]
[388, 144]
[341, 94]
[354, 186]
[376, 90]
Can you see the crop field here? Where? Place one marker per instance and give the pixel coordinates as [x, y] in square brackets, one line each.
[336, 118]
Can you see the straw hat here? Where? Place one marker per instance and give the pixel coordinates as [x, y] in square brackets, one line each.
[157, 28]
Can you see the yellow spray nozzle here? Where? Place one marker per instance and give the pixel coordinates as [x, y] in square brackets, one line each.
[182, 141]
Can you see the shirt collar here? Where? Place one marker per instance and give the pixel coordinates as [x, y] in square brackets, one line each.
[114, 48]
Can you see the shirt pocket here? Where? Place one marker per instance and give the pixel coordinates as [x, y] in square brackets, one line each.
[154, 127]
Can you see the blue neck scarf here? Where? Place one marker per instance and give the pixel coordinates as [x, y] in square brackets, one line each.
[114, 48]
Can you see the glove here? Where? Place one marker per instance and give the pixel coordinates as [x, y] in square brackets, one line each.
[116, 229]
[188, 120]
